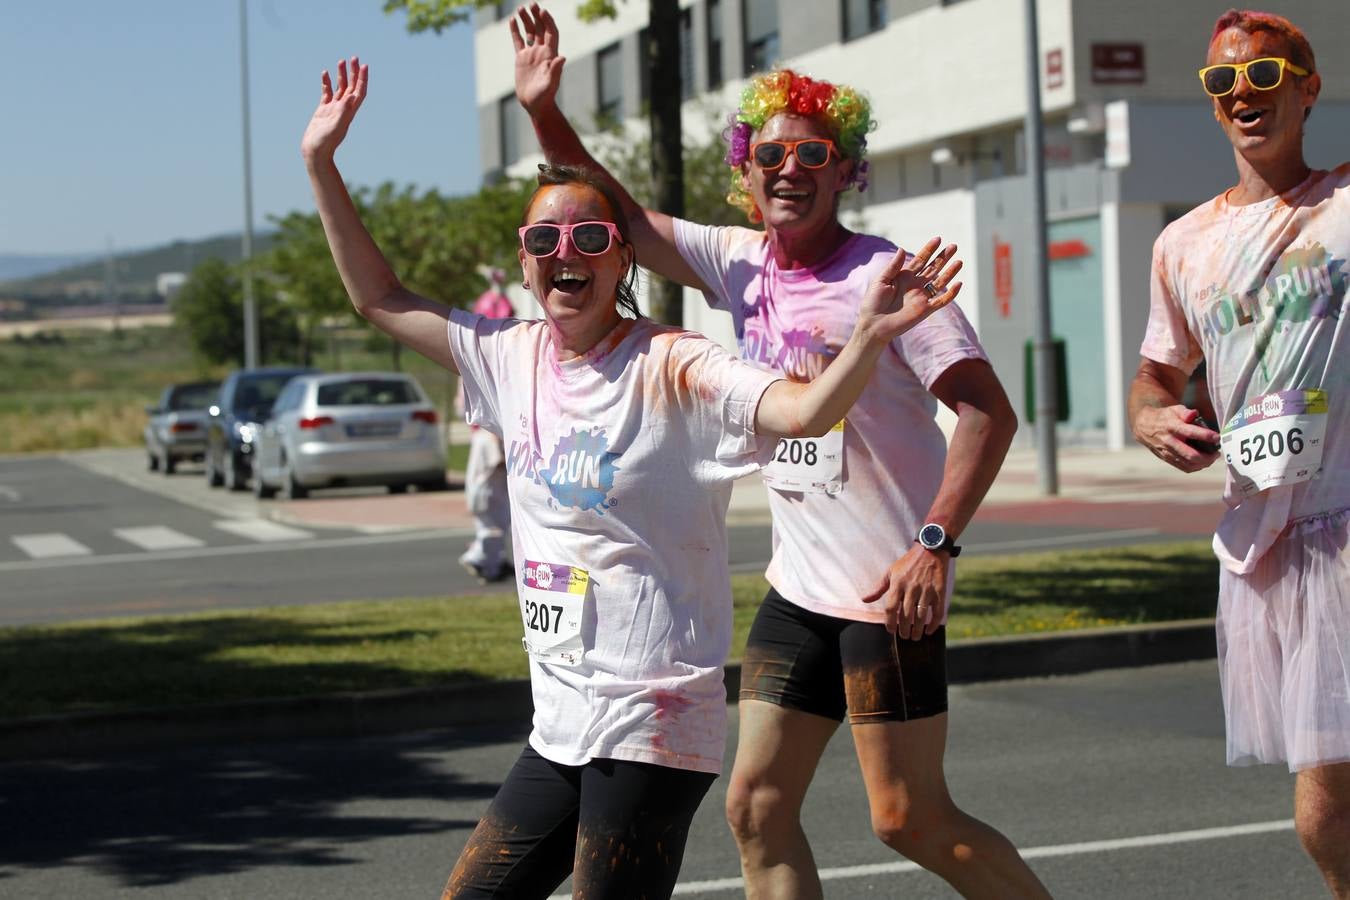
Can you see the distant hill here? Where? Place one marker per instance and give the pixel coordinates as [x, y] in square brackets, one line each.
[136, 270]
[17, 265]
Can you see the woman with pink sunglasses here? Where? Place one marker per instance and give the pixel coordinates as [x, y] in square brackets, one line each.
[623, 437]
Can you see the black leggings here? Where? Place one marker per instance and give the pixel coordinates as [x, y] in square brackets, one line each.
[619, 828]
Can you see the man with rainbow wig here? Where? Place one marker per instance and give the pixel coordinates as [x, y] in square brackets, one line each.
[865, 519]
[1254, 283]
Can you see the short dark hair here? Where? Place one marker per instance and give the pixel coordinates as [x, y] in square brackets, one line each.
[551, 176]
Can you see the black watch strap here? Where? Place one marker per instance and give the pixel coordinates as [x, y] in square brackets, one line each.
[949, 544]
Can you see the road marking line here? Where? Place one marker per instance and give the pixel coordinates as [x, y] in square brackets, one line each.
[1128, 843]
[1062, 540]
[235, 550]
[157, 537]
[48, 545]
[263, 530]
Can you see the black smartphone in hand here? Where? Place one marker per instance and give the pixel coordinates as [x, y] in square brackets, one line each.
[1203, 446]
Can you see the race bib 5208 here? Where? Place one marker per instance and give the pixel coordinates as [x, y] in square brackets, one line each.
[813, 465]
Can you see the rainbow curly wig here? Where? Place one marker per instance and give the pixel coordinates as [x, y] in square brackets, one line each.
[845, 112]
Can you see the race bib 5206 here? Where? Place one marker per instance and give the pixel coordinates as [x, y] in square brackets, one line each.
[1276, 439]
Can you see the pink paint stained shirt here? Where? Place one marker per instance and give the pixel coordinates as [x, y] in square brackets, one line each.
[829, 549]
[620, 463]
[1259, 292]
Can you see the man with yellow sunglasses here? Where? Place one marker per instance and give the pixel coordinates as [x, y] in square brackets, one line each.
[1255, 283]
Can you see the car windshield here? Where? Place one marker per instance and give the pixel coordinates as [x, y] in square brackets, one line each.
[192, 396]
[258, 392]
[368, 392]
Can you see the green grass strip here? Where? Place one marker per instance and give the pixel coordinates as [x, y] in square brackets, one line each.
[318, 649]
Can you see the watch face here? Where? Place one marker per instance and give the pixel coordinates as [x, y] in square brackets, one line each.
[932, 536]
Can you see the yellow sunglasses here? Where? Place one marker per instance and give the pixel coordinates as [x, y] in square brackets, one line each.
[1264, 74]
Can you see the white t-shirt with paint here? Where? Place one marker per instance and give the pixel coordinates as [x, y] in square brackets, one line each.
[833, 543]
[620, 464]
[1259, 292]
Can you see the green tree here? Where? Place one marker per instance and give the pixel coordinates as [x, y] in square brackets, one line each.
[435, 244]
[666, 169]
[209, 309]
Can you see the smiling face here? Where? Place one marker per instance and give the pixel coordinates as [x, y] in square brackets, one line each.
[1263, 126]
[578, 292]
[794, 199]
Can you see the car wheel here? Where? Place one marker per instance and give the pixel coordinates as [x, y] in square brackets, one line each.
[151, 461]
[170, 464]
[213, 476]
[260, 488]
[398, 489]
[294, 489]
[437, 484]
[234, 479]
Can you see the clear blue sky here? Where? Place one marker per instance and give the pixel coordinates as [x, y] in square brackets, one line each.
[122, 118]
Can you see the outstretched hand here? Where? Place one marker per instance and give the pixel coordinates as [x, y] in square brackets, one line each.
[909, 290]
[330, 121]
[538, 65]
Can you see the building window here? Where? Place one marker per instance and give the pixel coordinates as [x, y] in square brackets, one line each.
[862, 17]
[609, 86]
[761, 34]
[686, 55]
[508, 137]
[714, 23]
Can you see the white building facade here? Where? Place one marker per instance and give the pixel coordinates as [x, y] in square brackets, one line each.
[1130, 142]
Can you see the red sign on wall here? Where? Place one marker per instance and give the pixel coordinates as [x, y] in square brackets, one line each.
[1117, 63]
[1054, 68]
[1003, 281]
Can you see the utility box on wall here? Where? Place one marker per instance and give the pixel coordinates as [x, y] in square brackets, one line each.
[1061, 362]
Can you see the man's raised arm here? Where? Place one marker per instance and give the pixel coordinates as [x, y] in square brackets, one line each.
[538, 73]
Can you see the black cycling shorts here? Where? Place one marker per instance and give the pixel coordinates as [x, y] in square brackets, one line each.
[825, 665]
[619, 828]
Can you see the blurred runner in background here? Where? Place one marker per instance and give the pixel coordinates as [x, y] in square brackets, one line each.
[485, 473]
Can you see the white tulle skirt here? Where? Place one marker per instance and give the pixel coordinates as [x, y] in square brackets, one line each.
[1284, 649]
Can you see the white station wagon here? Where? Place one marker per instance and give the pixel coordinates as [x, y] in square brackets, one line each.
[353, 428]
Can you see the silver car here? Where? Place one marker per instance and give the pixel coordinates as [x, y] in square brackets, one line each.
[355, 428]
[176, 428]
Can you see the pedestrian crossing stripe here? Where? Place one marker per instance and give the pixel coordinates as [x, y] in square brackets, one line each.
[157, 537]
[49, 545]
[55, 545]
[262, 530]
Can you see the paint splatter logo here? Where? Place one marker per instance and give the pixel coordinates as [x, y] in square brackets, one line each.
[581, 471]
[1304, 285]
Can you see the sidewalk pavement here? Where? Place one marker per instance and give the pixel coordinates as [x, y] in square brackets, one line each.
[1099, 490]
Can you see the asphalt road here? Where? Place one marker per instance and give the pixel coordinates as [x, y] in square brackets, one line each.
[104, 538]
[1111, 783]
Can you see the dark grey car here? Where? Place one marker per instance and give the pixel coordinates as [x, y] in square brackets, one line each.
[246, 397]
[176, 428]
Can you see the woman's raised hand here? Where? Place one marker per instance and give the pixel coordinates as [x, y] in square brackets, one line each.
[538, 65]
[336, 110]
[910, 290]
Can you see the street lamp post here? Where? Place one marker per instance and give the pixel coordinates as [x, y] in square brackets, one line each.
[1047, 412]
[250, 307]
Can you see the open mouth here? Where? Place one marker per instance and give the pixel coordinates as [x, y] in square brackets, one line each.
[568, 282]
[1250, 116]
[790, 194]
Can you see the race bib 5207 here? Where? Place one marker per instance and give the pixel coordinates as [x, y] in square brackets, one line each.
[552, 599]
